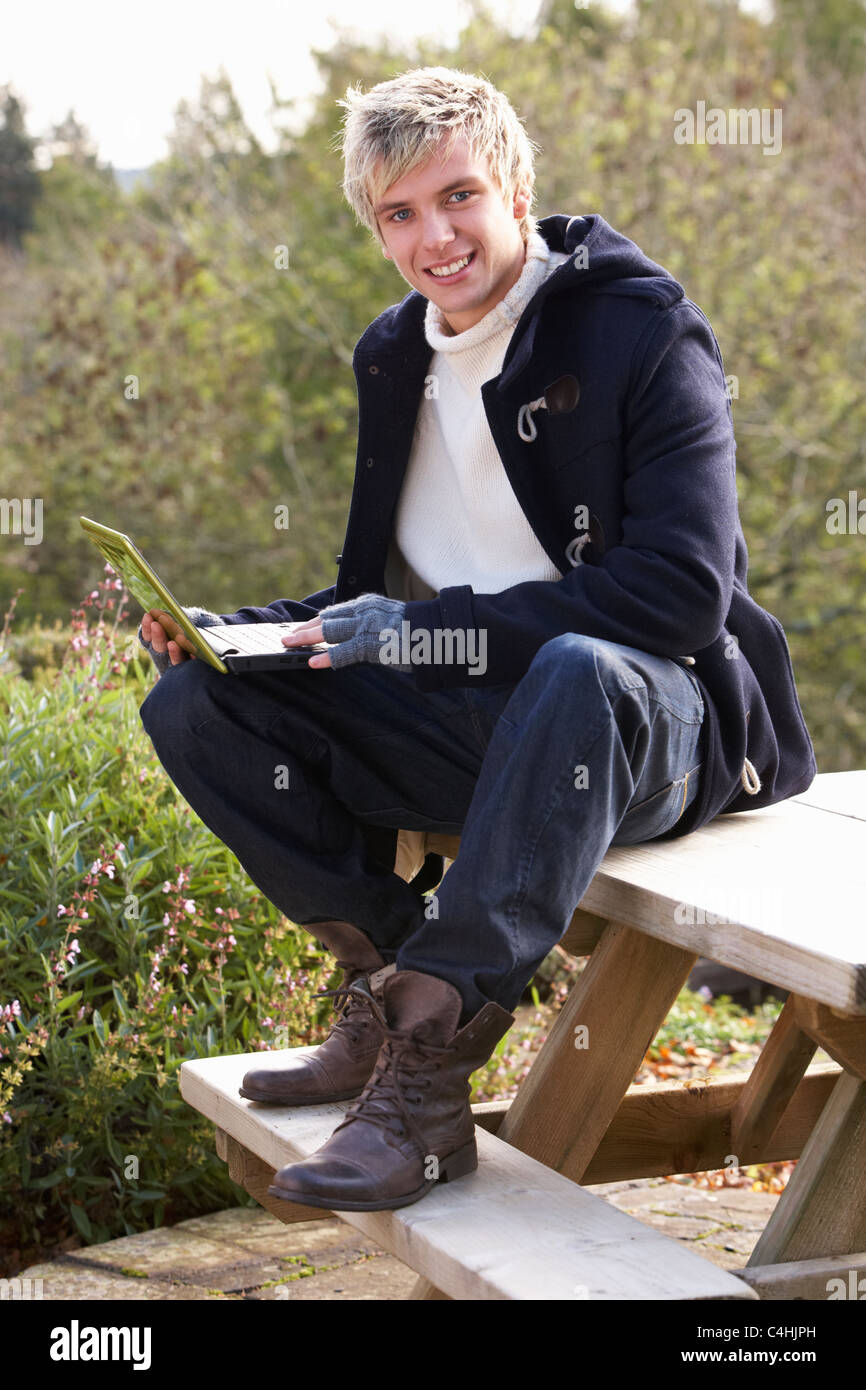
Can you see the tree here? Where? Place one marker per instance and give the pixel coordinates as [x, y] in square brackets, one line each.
[19, 180]
[79, 194]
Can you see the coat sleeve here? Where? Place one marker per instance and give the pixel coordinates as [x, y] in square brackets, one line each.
[666, 587]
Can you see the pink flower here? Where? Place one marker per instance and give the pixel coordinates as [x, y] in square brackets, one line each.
[62, 911]
[189, 905]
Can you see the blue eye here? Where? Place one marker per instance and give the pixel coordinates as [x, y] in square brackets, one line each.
[398, 214]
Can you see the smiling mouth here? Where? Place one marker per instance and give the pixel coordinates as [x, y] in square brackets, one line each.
[452, 269]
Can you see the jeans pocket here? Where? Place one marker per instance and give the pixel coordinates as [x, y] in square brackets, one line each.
[659, 812]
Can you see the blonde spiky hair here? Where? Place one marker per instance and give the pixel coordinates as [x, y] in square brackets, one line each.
[399, 124]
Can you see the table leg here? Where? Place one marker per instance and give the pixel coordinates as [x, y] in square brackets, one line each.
[781, 1066]
[595, 1047]
[822, 1211]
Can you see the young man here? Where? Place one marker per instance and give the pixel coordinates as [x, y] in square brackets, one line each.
[543, 635]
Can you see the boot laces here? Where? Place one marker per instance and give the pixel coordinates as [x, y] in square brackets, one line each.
[386, 1100]
[347, 1002]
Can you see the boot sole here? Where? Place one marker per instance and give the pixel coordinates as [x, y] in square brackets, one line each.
[456, 1165]
[300, 1100]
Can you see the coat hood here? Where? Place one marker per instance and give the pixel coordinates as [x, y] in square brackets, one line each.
[603, 261]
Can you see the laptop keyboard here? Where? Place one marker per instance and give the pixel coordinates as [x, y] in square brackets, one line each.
[247, 637]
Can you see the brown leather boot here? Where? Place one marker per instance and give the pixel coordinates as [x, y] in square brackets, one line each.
[412, 1125]
[341, 1065]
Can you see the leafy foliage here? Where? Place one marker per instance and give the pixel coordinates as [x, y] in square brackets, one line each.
[130, 940]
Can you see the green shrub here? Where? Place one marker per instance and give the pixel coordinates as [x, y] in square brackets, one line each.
[130, 940]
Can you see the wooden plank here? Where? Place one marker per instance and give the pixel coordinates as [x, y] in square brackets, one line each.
[596, 1045]
[843, 793]
[822, 1211]
[512, 1230]
[842, 1038]
[410, 854]
[446, 845]
[777, 1073]
[728, 893]
[836, 1277]
[583, 933]
[423, 1289]
[672, 1128]
[489, 1114]
[255, 1177]
[685, 1127]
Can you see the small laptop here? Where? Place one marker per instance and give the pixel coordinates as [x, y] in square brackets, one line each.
[229, 647]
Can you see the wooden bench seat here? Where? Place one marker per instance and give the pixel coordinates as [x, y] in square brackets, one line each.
[515, 1229]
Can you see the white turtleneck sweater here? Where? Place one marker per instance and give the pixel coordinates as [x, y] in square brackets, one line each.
[457, 519]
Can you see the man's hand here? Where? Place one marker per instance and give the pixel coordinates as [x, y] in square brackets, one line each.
[164, 635]
[353, 628]
[306, 635]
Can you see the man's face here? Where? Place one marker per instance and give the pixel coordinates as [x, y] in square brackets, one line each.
[439, 214]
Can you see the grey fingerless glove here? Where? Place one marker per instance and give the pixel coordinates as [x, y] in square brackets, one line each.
[356, 627]
[202, 617]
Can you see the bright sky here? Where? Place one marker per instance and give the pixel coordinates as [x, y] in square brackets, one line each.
[123, 68]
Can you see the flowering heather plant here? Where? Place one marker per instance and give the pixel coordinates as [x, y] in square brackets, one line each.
[130, 939]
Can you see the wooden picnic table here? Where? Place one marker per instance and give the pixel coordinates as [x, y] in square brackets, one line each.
[777, 893]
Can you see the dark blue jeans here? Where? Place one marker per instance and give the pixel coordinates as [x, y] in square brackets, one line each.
[597, 744]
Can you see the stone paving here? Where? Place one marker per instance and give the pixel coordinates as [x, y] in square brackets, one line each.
[244, 1253]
